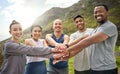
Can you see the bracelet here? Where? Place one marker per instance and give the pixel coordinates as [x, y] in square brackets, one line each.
[67, 45]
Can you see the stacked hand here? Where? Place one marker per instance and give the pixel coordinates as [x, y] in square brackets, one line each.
[60, 53]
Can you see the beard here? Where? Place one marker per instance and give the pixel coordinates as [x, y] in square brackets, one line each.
[101, 22]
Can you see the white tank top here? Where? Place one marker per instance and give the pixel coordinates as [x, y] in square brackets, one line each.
[39, 43]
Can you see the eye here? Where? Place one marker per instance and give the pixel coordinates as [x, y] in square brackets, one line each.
[55, 23]
[35, 31]
[20, 29]
[59, 23]
[76, 21]
[80, 20]
[39, 31]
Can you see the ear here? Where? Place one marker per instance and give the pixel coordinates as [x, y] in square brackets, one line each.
[10, 32]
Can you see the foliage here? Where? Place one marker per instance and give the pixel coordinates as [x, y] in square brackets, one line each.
[1, 57]
[118, 61]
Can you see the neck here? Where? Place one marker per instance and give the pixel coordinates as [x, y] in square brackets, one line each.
[57, 34]
[82, 30]
[102, 22]
[15, 40]
[35, 39]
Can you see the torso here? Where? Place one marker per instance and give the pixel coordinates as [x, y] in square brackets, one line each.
[39, 43]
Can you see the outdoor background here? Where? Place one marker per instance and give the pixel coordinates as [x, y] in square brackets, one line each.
[82, 7]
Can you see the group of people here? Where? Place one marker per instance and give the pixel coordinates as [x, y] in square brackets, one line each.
[93, 48]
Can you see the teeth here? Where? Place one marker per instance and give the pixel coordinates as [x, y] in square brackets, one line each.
[99, 17]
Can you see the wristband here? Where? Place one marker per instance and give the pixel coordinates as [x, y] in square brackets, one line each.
[67, 45]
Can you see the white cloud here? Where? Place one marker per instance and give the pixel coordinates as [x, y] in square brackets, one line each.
[26, 11]
[18, 11]
[4, 32]
[61, 3]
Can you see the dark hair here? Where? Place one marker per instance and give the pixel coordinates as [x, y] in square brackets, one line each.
[78, 16]
[13, 22]
[35, 26]
[100, 4]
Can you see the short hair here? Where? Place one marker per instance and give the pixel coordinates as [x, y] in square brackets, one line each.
[57, 20]
[100, 4]
[78, 16]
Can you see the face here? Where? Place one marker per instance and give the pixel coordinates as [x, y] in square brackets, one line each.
[36, 33]
[80, 24]
[57, 25]
[16, 32]
[100, 14]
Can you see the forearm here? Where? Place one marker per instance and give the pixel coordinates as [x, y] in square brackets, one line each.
[50, 41]
[16, 49]
[66, 39]
[78, 47]
[72, 42]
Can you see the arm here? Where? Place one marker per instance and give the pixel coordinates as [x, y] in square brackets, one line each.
[29, 42]
[76, 48]
[66, 39]
[13, 48]
[96, 38]
[50, 40]
[45, 43]
[72, 42]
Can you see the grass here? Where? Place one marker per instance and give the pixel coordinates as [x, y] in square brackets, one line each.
[118, 61]
[71, 64]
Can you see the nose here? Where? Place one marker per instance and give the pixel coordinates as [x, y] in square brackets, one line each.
[19, 31]
[37, 32]
[79, 22]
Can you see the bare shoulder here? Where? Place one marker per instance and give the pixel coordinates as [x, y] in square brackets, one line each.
[48, 34]
[28, 41]
[66, 36]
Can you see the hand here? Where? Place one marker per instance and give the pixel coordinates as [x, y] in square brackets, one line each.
[59, 48]
[57, 58]
[63, 56]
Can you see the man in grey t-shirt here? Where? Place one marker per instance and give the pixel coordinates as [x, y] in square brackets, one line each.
[102, 41]
[82, 59]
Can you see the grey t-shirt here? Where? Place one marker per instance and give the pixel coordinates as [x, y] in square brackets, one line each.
[15, 56]
[102, 54]
[81, 60]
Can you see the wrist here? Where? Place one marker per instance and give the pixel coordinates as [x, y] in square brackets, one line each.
[69, 54]
[67, 45]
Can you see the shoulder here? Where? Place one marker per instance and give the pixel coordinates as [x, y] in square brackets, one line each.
[74, 34]
[41, 40]
[49, 34]
[89, 30]
[66, 36]
[109, 26]
[8, 42]
[28, 41]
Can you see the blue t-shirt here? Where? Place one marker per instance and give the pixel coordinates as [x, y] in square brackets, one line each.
[61, 64]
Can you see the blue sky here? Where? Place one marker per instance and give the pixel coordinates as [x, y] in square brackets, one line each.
[25, 12]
